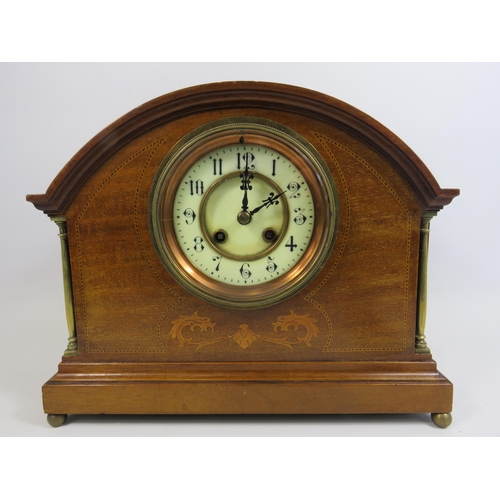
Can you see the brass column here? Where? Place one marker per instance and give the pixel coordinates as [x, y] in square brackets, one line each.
[420, 342]
[72, 349]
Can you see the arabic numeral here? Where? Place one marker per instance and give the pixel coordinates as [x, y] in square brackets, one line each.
[290, 244]
[190, 216]
[195, 187]
[218, 166]
[293, 188]
[198, 244]
[300, 218]
[271, 266]
[217, 259]
[247, 158]
[245, 271]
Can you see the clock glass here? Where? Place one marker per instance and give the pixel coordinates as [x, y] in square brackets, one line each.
[243, 212]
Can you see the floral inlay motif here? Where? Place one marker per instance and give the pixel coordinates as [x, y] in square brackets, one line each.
[244, 336]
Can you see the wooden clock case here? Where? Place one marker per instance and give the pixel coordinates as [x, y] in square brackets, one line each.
[352, 341]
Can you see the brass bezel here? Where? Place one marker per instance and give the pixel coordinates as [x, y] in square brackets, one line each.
[255, 131]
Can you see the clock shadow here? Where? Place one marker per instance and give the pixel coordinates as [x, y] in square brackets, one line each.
[258, 425]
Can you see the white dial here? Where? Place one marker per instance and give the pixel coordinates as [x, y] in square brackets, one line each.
[243, 214]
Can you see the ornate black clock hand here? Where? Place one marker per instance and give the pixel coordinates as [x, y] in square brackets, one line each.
[271, 200]
[246, 177]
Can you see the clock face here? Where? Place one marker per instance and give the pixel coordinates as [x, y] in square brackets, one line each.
[243, 212]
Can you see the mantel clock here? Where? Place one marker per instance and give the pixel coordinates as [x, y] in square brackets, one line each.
[245, 248]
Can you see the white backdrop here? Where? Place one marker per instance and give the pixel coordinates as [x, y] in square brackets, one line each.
[447, 113]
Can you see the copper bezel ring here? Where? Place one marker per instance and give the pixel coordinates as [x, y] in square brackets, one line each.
[257, 131]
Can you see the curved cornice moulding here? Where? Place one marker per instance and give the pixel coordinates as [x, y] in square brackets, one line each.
[228, 95]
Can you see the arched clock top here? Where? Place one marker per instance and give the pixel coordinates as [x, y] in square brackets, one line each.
[241, 95]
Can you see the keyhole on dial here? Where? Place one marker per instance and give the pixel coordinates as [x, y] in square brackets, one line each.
[220, 236]
[269, 235]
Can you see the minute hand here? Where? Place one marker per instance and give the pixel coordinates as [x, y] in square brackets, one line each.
[272, 200]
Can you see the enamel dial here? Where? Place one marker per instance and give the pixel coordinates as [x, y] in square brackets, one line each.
[243, 213]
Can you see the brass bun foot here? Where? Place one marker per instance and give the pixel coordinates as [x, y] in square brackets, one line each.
[442, 420]
[56, 420]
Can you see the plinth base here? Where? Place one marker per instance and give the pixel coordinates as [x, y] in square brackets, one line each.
[230, 388]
